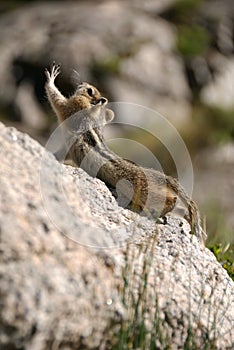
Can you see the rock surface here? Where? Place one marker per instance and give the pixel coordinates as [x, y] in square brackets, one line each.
[63, 252]
[53, 291]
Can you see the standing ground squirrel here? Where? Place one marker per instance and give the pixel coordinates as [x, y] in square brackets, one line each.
[84, 115]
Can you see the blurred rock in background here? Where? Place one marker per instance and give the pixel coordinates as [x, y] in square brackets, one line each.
[174, 56]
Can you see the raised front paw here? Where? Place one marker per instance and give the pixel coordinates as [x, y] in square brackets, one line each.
[53, 73]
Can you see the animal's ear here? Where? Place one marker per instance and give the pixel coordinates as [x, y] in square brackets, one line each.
[109, 115]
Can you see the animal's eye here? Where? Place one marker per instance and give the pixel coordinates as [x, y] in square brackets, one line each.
[90, 92]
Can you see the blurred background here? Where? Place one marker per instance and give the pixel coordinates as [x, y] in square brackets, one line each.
[174, 56]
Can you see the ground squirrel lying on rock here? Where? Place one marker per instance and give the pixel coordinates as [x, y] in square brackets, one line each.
[84, 115]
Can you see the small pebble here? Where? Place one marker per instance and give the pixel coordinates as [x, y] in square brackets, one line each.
[109, 302]
[14, 137]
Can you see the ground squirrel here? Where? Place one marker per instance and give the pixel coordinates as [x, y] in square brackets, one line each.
[148, 191]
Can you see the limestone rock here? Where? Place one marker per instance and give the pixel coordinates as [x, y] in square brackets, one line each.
[68, 294]
[53, 291]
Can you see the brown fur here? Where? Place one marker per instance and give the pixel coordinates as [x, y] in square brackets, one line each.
[150, 191]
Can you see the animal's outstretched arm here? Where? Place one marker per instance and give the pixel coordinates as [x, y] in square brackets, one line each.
[57, 100]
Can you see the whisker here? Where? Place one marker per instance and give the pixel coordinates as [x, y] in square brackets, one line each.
[76, 78]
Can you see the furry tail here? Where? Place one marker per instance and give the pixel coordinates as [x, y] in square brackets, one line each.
[193, 216]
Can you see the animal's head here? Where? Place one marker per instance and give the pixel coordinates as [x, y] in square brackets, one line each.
[95, 116]
[90, 92]
[93, 95]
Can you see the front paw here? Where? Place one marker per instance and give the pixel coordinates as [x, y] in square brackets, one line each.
[53, 73]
